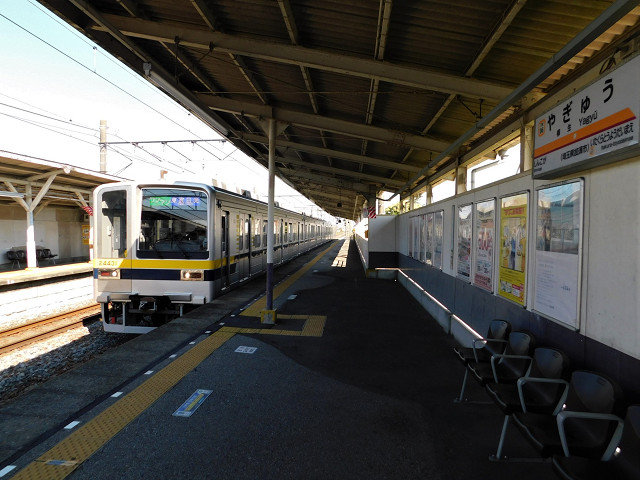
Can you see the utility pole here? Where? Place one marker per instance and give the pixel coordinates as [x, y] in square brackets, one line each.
[103, 146]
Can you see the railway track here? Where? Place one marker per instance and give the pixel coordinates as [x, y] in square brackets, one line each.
[14, 338]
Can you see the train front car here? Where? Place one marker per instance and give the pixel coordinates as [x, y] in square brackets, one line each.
[153, 253]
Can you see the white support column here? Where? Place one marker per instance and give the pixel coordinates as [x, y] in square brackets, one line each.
[526, 147]
[269, 315]
[461, 179]
[31, 234]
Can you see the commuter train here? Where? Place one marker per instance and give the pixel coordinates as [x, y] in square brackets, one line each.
[161, 247]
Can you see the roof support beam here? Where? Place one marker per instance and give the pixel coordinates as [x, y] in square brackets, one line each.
[326, 180]
[331, 153]
[297, 55]
[340, 171]
[401, 139]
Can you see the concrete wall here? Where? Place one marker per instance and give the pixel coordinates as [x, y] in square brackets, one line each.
[58, 229]
[607, 334]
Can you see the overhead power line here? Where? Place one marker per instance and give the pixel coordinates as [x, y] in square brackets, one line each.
[162, 141]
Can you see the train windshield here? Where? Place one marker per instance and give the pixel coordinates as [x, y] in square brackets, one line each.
[173, 224]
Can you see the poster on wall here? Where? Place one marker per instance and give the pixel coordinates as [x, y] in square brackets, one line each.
[86, 231]
[485, 231]
[558, 245]
[464, 241]
[513, 247]
[438, 227]
[428, 254]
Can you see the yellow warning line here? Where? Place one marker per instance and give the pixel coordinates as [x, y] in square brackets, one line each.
[261, 304]
[67, 455]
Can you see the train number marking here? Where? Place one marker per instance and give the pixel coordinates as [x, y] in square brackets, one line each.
[108, 263]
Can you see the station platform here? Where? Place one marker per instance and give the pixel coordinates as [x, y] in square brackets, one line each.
[27, 275]
[355, 380]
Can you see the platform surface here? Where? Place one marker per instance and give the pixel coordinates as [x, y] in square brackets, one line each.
[355, 380]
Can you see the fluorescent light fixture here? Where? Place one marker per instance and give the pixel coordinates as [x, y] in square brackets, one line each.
[4, 193]
[182, 98]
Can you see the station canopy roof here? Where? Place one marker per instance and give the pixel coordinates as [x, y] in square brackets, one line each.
[28, 180]
[369, 96]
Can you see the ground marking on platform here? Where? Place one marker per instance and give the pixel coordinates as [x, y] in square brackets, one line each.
[192, 403]
[292, 297]
[148, 372]
[90, 437]
[72, 425]
[261, 303]
[63, 463]
[192, 343]
[6, 470]
[244, 349]
[117, 394]
[173, 356]
[313, 327]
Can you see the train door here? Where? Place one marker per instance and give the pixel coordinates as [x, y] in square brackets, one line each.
[280, 242]
[242, 259]
[264, 244]
[257, 249]
[247, 242]
[224, 249]
[111, 241]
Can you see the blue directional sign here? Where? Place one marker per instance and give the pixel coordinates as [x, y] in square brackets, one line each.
[192, 403]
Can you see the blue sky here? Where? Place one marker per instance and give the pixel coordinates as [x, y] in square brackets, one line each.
[56, 86]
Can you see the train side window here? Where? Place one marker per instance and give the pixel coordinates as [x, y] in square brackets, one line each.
[256, 234]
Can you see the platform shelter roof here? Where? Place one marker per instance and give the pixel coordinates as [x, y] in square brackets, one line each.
[46, 183]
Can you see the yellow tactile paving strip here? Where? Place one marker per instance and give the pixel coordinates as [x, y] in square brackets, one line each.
[66, 456]
[261, 304]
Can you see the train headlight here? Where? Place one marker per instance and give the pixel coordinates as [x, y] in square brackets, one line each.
[108, 273]
[192, 275]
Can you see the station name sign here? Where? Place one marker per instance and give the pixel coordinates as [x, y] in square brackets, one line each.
[591, 128]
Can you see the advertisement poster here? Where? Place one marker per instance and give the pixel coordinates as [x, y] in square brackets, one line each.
[558, 235]
[429, 239]
[438, 226]
[464, 241]
[597, 120]
[485, 233]
[513, 247]
[86, 229]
